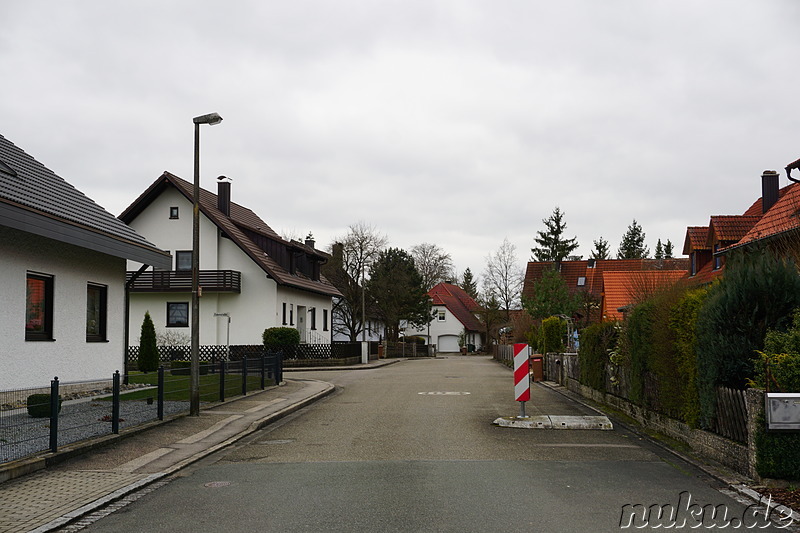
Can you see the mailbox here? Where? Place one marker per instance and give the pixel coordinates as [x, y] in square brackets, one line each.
[783, 410]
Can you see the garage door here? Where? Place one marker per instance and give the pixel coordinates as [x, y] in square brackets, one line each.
[448, 343]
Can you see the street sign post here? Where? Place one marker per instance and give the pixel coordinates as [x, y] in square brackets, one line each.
[522, 380]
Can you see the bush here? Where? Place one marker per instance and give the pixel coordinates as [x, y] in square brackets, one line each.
[682, 321]
[551, 335]
[280, 337]
[184, 368]
[777, 454]
[39, 405]
[148, 351]
[758, 293]
[596, 341]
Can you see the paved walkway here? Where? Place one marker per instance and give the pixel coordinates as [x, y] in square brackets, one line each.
[50, 498]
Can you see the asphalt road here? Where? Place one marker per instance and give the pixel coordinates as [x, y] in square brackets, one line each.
[411, 447]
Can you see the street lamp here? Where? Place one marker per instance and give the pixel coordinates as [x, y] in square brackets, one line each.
[194, 378]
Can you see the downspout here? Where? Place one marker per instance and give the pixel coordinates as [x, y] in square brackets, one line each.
[127, 327]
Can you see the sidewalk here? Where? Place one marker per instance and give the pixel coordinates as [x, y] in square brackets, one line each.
[50, 498]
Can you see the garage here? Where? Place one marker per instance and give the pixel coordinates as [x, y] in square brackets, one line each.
[448, 344]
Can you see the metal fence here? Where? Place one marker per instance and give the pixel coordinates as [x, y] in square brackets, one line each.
[37, 420]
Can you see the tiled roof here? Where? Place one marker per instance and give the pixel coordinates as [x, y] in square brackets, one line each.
[30, 186]
[696, 239]
[572, 271]
[36, 187]
[756, 209]
[241, 219]
[729, 228]
[780, 219]
[623, 288]
[458, 302]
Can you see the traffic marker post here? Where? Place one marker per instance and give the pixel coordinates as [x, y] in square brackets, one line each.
[522, 380]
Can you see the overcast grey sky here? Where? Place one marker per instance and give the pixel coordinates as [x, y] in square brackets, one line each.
[455, 122]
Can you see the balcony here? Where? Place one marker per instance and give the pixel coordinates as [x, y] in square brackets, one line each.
[181, 281]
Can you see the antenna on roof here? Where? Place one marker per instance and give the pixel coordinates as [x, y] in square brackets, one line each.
[790, 167]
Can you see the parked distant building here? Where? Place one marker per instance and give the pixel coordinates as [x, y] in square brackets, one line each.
[62, 277]
[454, 320]
[246, 269]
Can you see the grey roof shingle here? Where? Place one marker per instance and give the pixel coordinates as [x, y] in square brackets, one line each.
[37, 191]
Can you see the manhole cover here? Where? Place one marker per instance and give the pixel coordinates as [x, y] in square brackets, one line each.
[441, 393]
[217, 484]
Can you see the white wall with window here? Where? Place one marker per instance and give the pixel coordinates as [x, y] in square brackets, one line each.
[62, 312]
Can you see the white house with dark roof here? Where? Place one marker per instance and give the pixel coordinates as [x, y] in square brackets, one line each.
[454, 320]
[62, 277]
[246, 270]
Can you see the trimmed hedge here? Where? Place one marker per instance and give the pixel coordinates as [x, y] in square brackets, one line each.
[596, 343]
[551, 335]
[280, 337]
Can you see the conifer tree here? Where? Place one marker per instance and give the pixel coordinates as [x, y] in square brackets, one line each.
[659, 254]
[632, 245]
[148, 351]
[552, 244]
[601, 249]
[668, 250]
[469, 284]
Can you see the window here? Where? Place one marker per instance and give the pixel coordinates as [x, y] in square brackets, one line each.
[39, 308]
[291, 314]
[313, 318]
[284, 313]
[693, 258]
[717, 258]
[441, 316]
[324, 320]
[581, 281]
[177, 314]
[183, 260]
[96, 297]
[173, 212]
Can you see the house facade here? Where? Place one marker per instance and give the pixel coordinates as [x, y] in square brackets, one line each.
[453, 320]
[248, 273]
[62, 277]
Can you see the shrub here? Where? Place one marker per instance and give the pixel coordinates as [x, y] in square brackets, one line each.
[596, 342]
[758, 293]
[777, 454]
[280, 337]
[39, 405]
[682, 322]
[551, 335]
[148, 351]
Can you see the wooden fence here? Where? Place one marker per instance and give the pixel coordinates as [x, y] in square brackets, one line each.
[731, 418]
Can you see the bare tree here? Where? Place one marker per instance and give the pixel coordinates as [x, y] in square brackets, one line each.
[352, 256]
[503, 276]
[433, 264]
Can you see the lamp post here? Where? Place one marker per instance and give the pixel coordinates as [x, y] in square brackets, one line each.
[194, 377]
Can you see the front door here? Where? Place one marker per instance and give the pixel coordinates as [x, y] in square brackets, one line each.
[301, 322]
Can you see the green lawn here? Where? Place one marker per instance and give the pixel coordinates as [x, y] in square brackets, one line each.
[176, 388]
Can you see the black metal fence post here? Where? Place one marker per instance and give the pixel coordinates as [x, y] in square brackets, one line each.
[263, 370]
[55, 404]
[278, 372]
[244, 376]
[160, 399]
[115, 404]
[222, 365]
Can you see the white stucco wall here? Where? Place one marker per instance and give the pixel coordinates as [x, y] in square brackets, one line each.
[444, 333]
[256, 308]
[27, 364]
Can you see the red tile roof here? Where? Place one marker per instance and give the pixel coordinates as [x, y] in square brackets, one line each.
[458, 302]
[622, 288]
[729, 228]
[781, 218]
[696, 239]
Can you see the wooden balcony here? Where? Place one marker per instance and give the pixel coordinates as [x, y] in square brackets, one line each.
[181, 281]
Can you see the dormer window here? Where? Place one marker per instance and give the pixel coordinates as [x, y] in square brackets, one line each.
[5, 169]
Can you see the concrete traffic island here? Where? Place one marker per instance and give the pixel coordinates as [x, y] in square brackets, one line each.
[555, 422]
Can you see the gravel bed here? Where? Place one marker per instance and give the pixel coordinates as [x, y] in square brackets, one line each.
[22, 435]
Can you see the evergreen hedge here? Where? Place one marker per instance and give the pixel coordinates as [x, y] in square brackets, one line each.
[275, 338]
[596, 341]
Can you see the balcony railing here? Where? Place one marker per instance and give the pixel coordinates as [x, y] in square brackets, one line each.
[181, 281]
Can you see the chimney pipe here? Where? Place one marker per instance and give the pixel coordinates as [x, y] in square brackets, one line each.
[224, 195]
[769, 189]
[310, 241]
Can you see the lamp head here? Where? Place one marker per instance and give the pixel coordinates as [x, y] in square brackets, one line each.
[211, 119]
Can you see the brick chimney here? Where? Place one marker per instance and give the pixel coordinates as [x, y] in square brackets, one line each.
[769, 189]
[224, 195]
